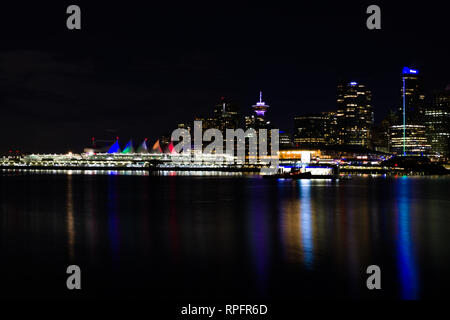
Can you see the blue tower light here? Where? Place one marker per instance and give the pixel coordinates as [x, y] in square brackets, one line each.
[404, 117]
[407, 70]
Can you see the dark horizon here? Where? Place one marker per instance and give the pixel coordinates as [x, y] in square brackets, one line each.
[137, 70]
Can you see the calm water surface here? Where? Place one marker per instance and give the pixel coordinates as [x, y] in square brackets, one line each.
[221, 237]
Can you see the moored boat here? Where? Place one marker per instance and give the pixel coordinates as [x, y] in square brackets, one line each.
[309, 172]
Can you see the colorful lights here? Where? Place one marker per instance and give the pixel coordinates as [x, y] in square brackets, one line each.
[115, 148]
[407, 70]
[260, 107]
[157, 147]
[143, 147]
[406, 260]
[171, 148]
[129, 147]
[404, 115]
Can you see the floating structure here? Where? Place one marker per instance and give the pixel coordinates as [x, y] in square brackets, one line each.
[307, 172]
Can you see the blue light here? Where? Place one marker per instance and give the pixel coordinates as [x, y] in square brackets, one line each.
[115, 148]
[406, 260]
[353, 83]
[407, 70]
[306, 223]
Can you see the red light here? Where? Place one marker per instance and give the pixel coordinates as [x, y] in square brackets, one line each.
[145, 139]
[10, 151]
[93, 138]
[117, 138]
[395, 164]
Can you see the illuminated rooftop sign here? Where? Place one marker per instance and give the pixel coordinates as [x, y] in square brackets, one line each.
[407, 70]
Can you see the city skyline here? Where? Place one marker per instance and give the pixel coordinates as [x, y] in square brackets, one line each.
[135, 78]
[221, 158]
[241, 117]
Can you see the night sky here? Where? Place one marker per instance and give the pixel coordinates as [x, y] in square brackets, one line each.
[137, 69]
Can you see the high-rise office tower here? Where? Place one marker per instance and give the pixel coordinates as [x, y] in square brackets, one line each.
[408, 136]
[226, 115]
[410, 139]
[315, 130]
[412, 96]
[354, 117]
[382, 132]
[285, 140]
[310, 130]
[330, 127]
[437, 122]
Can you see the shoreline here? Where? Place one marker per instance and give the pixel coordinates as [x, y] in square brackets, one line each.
[255, 171]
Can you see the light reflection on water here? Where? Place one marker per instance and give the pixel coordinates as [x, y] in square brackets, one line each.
[306, 223]
[353, 226]
[407, 266]
[70, 220]
[259, 237]
[244, 234]
[113, 219]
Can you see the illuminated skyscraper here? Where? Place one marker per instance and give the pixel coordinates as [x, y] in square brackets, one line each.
[285, 140]
[413, 98]
[315, 130]
[382, 132]
[437, 121]
[411, 119]
[226, 115]
[354, 118]
[411, 138]
[310, 130]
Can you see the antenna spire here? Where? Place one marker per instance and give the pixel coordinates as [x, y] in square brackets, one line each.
[260, 96]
